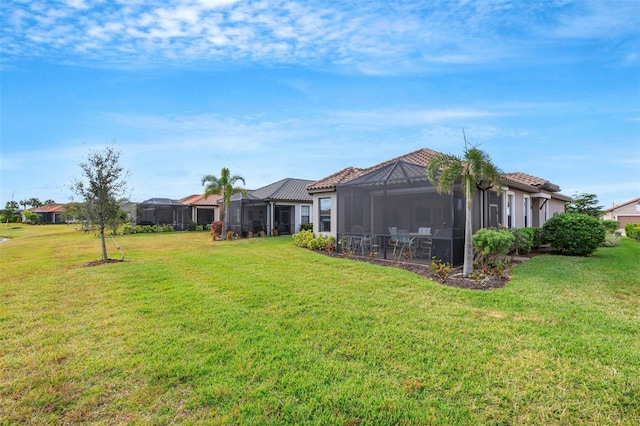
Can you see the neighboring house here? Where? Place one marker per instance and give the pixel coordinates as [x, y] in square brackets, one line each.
[624, 213]
[283, 206]
[396, 194]
[51, 213]
[204, 210]
[163, 211]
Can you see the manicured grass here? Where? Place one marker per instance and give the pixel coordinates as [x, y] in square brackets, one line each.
[262, 332]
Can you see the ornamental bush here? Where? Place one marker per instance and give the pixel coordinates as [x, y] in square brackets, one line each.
[632, 230]
[492, 245]
[522, 240]
[303, 238]
[537, 238]
[306, 239]
[573, 234]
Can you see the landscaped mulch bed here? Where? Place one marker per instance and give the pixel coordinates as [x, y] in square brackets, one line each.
[454, 279]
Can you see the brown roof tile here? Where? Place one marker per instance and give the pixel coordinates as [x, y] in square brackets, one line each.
[49, 208]
[626, 203]
[200, 200]
[524, 179]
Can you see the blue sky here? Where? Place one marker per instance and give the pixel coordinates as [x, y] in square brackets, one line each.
[274, 89]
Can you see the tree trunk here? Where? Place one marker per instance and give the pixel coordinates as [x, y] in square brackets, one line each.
[223, 217]
[105, 257]
[467, 268]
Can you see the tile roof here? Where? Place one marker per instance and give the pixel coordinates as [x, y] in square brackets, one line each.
[201, 200]
[529, 180]
[49, 208]
[524, 179]
[420, 157]
[626, 203]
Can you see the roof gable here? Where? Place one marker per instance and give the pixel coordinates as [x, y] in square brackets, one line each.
[201, 200]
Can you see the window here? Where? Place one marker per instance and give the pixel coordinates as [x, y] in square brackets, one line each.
[526, 211]
[509, 209]
[546, 210]
[304, 214]
[325, 215]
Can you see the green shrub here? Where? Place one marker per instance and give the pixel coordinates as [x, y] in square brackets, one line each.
[321, 242]
[537, 238]
[127, 228]
[522, 240]
[610, 225]
[492, 245]
[303, 238]
[574, 234]
[632, 230]
[306, 227]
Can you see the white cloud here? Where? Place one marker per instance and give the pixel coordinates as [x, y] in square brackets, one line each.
[373, 37]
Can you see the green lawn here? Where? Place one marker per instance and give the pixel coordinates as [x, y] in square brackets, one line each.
[262, 332]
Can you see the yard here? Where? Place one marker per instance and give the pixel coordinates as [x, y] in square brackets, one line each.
[259, 331]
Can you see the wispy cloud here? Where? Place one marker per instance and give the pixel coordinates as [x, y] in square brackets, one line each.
[372, 37]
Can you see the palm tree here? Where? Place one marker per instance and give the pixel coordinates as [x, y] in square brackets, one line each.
[223, 185]
[475, 168]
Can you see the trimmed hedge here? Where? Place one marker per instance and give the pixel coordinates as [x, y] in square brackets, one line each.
[574, 234]
[632, 230]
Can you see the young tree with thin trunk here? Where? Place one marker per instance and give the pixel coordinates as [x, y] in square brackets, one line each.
[474, 168]
[224, 185]
[104, 182]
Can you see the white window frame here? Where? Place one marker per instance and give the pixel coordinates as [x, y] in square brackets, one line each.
[323, 216]
[509, 209]
[302, 213]
[526, 211]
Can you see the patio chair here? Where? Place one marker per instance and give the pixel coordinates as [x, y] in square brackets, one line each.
[394, 240]
[406, 243]
[424, 246]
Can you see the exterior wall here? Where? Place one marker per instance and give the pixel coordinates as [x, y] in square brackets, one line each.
[556, 207]
[629, 213]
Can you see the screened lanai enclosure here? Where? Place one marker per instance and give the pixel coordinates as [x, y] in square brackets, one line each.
[247, 213]
[395, 213]
[163, 211]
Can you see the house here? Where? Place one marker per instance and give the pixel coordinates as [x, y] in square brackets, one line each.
[204, 210]
[628, 212]
[51, 213]
[281, 206]
[396, 195]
